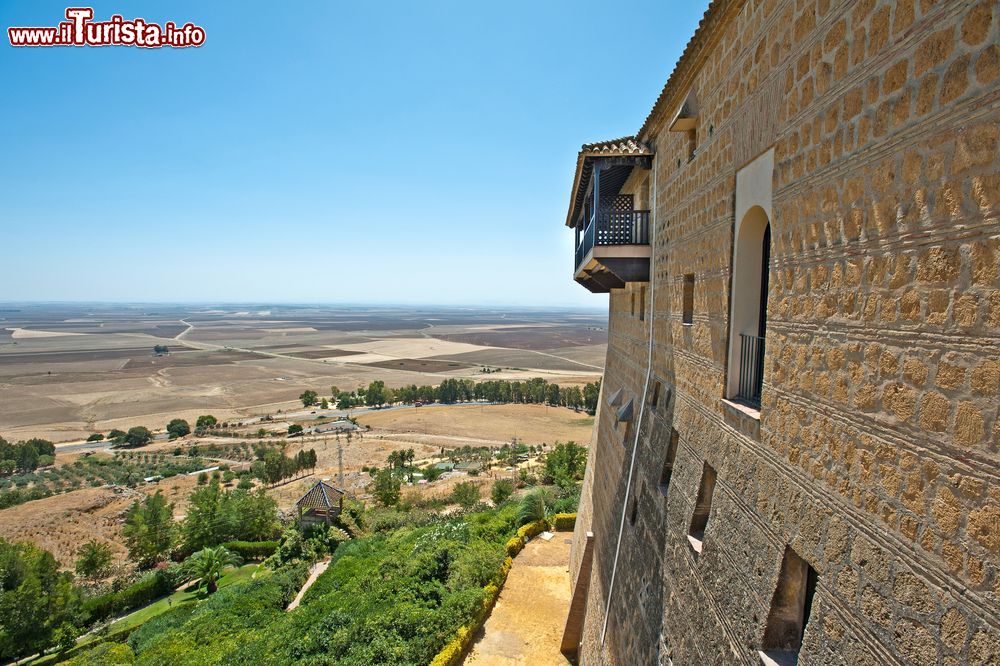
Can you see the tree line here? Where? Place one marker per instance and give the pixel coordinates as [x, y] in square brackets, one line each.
[532, 391]
[214, 516]
[27, 456]
[273, 466]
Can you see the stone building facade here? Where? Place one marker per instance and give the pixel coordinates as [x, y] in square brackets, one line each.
[796, 455]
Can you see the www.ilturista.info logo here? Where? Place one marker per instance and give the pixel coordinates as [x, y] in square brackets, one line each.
[81, 30]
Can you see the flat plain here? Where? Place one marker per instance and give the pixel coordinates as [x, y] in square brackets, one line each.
[67, 371]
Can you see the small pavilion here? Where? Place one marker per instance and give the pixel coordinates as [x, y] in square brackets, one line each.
[321, 504]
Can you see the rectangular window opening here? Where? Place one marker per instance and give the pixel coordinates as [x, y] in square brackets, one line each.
[668, 463]
[642, 303]
[688, 303]
[790, 608]
[702, 509]
[633, 303]
[654, 400]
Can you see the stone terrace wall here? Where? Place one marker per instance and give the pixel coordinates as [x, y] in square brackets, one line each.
[876, 454]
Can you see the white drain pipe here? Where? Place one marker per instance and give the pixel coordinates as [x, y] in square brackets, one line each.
[642, 405]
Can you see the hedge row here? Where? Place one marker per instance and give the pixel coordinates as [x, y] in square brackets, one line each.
[252, 550]
[146, 590]
[451, 654]
[564, 522]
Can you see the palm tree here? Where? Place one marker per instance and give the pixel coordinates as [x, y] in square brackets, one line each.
[534, 506]
[208, 564]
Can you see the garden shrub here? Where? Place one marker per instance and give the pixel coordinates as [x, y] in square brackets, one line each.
[105, 654]
[149, 588]
[533, 529]
[408, 594]
[252, 550]
[564, 522]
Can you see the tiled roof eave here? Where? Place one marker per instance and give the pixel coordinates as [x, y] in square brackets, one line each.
[626, 146]
[713, 18]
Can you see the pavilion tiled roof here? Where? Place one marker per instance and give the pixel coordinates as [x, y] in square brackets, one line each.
[320, 496]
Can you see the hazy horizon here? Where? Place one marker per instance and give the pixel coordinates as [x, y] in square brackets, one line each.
[331, 304]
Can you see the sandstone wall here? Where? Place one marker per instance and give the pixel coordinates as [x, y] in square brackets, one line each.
[875, 456]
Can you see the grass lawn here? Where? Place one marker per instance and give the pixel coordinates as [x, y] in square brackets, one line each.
[176, 599]
[184, 597]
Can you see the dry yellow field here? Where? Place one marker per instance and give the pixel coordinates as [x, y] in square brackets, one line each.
[532, 424]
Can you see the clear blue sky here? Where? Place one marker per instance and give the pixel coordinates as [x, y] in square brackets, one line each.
[319, 151]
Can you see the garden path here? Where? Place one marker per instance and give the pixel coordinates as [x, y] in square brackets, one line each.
[527, 622]
[314, 573]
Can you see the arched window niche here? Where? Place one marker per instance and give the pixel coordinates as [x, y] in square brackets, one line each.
[750, 277]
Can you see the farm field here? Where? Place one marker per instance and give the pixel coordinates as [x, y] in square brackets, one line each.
[533, 424]
[69, 370]
[62, 522]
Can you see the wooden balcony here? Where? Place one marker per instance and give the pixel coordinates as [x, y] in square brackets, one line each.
[612, 250]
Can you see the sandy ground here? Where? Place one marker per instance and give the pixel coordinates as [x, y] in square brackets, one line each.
[62, 523]
[381, 350]
[25, 334]
[533, 424]
[63, 377]
[527, 622]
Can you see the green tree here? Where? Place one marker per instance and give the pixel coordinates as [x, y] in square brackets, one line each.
[35, 599]
[375, 393]
[138, 436]
[96, 437]
[386, 487]
[591, 393]
[149, 529]
[274, 466]
[565, 464]
[178, 428]
[573, 397]
[465, 494]
[208, 563]
[93, 559]
[205, 422]
[502, 490]
[308, 398]
[324, 404]
[204, 521]
[294, 429]
[431, 473]
[255, 515]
